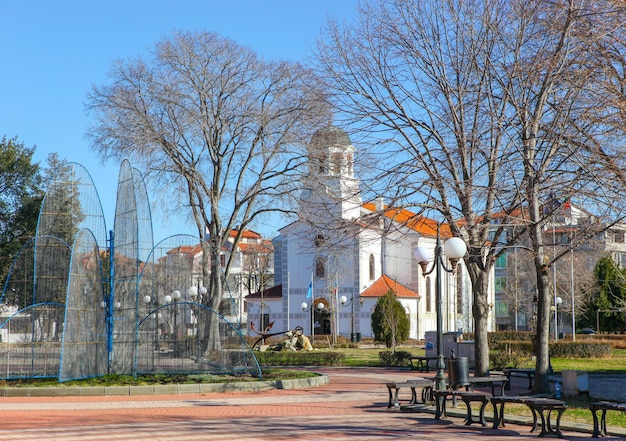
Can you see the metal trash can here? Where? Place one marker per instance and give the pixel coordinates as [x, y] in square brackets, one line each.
[458, 372]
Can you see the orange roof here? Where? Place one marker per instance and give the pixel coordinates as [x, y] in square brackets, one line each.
[416, 222]
[186, 249]
[384, 283]
[263, 247]
[246, 234]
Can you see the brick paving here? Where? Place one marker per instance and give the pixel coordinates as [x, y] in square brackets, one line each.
[353, 406]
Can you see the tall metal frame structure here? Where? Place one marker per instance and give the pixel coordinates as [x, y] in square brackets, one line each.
[79, 303]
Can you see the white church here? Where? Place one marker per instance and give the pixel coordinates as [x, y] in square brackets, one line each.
[332, 265]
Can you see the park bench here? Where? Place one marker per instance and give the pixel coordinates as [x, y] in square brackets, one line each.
[441, 397]
[422, 363]
[541, 408]
[493, 381]
[529, 373]
[599, 426]
[394, 390]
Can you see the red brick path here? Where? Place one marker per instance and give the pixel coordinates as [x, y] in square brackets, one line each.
[352, 407]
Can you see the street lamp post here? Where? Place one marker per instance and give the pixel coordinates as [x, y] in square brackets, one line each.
[557, 303]
[344, 302]
[305, 307]
[454, 248]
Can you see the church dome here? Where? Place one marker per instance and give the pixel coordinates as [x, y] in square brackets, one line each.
[330, 136]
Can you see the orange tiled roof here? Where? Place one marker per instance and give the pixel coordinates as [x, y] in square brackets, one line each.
[186, 249]
[246, 234]
[384, 283]
[416, 222]
[263, 247]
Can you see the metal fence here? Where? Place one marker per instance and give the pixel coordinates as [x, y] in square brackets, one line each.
[79, 304]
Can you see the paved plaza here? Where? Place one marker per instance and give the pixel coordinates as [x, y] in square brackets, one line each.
[352, 406]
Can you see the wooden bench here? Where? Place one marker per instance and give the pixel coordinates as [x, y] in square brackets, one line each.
[599, 426]
[394, 390]
[422, 363]
[539, 407]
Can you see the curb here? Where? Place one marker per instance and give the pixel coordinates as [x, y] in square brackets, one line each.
[163, 389]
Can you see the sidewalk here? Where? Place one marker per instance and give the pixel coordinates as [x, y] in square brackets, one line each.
[352, 406]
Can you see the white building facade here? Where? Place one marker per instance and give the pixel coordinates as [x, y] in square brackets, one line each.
[344, 254]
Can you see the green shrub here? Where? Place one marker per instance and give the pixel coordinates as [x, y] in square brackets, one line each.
[395, 358]
[495, 338]
[582, 349]
[520, 347]
[292, 358]
[559, 349]
[501, 360]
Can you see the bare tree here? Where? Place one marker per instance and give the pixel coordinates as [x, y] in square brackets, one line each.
[482, 111]
[565, 140]
[215, 125]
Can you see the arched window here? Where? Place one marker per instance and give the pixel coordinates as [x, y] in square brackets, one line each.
[320, 268]
[321, 163]
[335, 159]
[372, 267]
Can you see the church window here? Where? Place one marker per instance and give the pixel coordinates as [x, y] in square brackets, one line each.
[320, 268]
[372, 267]
[321, 162]
[336, 163]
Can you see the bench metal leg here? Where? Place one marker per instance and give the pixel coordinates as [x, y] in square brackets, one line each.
[498, 415]
[393, 396]
[469, 419]
[596, 429]
[547, 428]
[599, 426]
[603, 423]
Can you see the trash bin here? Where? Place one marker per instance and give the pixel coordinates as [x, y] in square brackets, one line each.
[358, 336]
[458, 372]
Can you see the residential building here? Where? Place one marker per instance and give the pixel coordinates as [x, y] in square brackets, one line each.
[514, 280]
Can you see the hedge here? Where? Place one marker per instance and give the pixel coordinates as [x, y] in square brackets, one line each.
[299, 358]
[558, 349]
[397, 358]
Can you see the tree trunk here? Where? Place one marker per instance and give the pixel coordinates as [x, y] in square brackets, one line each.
[542, 339]
[480, 311]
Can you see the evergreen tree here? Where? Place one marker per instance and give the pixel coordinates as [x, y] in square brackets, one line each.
[609, 300]
[389, 321]
[20, 199]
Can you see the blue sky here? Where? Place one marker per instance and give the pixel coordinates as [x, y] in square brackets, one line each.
[53, 51]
